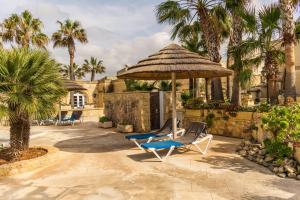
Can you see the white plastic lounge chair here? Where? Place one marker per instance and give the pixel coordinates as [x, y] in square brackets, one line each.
[194, 135]
[76, 116]
[164, 131]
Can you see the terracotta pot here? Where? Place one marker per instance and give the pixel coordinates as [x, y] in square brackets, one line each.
[297, 151]
[106, 124]
[125, 128]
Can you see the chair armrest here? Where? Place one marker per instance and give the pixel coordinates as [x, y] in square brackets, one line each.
[180, 132]
[207, 137]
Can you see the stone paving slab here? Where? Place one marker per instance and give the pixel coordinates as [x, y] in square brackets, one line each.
[99, 164]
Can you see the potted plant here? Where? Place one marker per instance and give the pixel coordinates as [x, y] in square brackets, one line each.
[104, 122]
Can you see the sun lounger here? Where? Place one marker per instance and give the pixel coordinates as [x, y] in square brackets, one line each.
[194, 135]
[166, 130]
[76, 116]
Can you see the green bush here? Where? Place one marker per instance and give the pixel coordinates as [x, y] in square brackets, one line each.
[103, 119]
[185, 96]
[283, 122]
[278, 149]
[209, 119]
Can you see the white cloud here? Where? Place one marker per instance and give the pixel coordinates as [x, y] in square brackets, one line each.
[119, 32]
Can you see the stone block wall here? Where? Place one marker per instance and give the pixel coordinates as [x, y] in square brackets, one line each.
[224, 124]
[129, 108]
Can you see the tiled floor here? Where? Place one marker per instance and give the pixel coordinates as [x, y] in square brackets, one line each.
[95, 163]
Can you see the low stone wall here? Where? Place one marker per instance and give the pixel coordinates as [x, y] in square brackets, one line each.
[226, 125]
[129, 107]
[31, 164]
[88, 114]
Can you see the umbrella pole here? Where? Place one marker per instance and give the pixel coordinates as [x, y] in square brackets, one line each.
[174, 117]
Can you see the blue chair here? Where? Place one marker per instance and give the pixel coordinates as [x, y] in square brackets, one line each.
[76, 115]
[164, 131]
[195, 134]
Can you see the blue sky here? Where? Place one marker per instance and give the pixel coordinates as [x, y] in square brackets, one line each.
[119, 31]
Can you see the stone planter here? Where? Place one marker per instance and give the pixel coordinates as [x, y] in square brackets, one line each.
[297, 151]
[107, 124]
[125, 128]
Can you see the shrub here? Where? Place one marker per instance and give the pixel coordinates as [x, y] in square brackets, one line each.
[185, 96]
[283, 122]
[103, 119]
[209, 119]
[278, 149]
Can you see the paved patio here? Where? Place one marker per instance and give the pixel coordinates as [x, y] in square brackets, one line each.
[95, 163]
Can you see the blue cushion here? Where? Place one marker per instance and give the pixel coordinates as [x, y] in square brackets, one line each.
[162, 144]
[141, 136]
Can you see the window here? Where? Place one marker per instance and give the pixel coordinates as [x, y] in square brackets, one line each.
[78, 100]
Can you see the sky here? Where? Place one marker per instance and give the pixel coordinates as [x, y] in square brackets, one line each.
[119, 31]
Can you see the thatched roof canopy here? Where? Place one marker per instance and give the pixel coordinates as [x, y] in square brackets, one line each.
[72, 85]
[174, 58]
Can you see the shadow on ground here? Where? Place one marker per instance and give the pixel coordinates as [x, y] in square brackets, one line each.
[108, 142]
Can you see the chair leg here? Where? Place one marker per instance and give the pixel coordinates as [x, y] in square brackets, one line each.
[149, 140]
[137, 144]
[209, 138]
[162, 159]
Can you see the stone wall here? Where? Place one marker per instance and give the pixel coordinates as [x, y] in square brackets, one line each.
[226, 124]
[129, 107]
[88, 114]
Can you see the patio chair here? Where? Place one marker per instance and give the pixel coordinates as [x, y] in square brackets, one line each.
[76, 116]
[165, 130]
[194, 135]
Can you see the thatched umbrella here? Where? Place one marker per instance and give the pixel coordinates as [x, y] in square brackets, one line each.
[70, 86]
[174, 62]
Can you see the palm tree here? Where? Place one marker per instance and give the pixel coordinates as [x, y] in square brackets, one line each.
[30, 86]
[93, 66]
[288, 28]
[167, 85]
[270, 47]
[69, 31]
[24, 30]
[191, 38]
[263, 47]
[237, 9]
[213, 22]
[78, 71]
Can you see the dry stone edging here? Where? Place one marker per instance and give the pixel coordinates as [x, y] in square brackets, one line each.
[22, 166]
[257, 153]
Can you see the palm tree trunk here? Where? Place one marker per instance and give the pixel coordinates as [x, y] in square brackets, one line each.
[71, 53]
[16, 138]
[93, 75]
[25, 131]
[236, 90]
[236, 37]
[273, 92]
[212, 40]
[290, 77]
[287, 9]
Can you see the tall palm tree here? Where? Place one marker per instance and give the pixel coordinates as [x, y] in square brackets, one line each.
[93, 66]
[288, 28]
[264, 46]
[69, 31]
[211, 16]
[191, 38]
[237, 9]
[24, 30]
[78, 71]
[30, 86]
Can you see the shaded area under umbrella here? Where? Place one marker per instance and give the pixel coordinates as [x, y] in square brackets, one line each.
[174, 62]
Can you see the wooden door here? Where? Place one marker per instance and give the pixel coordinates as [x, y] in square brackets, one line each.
[154, 110]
